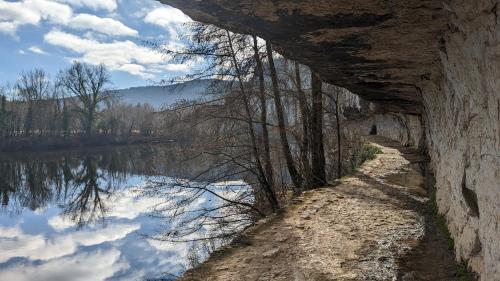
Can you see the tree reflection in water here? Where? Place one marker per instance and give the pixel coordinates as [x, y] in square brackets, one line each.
[202, 215]
[204, 212]
[85, 203]
[79, 183]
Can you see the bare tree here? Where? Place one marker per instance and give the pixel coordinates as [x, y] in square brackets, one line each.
[88, 84]
[32, 86]
[292, 169]
[229, 56]
[85, 202]
[267, 187]
[266, 153]
[4, 114]
[335, 94]
[339, 136]
[305, 116]
[317, 146]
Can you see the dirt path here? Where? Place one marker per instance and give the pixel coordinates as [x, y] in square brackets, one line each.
[375, 225]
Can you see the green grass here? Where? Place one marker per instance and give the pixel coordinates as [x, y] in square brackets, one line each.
[462, 270]
[369, 152]
[441, 222]
[443, 228]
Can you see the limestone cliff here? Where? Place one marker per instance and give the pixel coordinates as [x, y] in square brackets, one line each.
[379, 49]
[436, 59]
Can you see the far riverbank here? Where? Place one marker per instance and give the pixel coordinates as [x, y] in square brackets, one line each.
[50, 143]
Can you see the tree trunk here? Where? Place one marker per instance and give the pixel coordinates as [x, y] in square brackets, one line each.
[317, 147]
[294, 174]
[304, 112]
[266, 155]
[339, 151]
[90, 123]
[273, 201]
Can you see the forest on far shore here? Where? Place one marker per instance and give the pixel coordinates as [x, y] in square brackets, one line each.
[78, 102]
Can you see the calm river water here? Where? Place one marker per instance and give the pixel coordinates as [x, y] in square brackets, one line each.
[113, 213]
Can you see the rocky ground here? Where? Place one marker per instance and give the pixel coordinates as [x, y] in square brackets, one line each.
[376, 224]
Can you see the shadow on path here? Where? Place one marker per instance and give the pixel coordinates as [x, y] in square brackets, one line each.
[376, 224]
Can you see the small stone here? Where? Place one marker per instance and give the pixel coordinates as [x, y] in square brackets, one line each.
[282, 239]
[270, 253]
[306, 217]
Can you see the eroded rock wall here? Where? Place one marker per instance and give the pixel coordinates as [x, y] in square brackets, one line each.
[463, 133]
[406, 129]
[403, 128]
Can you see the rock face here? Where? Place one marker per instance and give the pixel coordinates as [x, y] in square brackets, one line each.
[404, 128]
[463, 132]
[436, 59]
[379, 49]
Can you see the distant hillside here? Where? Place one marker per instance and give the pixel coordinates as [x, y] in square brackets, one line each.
[160, 96]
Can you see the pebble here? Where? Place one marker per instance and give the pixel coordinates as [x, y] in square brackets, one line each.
[270, 253]
[306, 217]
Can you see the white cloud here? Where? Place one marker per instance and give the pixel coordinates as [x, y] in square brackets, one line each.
[129, 205]
[177, 67]
[60, 223]
[15, 14]
[50, 11]
[8, 28]
[14, 243]
[109, 5]
[37, 50]
[165, 16]
[32, 12]
[135, 69]
[178, 252]
[114, 55]
[126, 204]
[97, 265]
[117, 55]
[168, 18]
[102, 25]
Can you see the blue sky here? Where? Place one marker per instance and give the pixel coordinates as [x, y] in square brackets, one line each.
[50, 34]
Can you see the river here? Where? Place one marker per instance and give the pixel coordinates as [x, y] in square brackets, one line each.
[113, 213]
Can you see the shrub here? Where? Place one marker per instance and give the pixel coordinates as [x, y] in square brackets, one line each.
[369, 152]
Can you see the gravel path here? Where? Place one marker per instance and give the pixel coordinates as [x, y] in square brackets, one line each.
[374, 225]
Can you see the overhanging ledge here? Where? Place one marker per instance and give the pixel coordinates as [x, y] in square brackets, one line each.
[381, 50]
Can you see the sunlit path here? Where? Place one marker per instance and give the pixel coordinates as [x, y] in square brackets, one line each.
[374, 225]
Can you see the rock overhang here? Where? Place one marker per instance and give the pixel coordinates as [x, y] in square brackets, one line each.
[380, 49]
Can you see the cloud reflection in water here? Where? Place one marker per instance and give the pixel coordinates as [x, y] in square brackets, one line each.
[68, 216]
